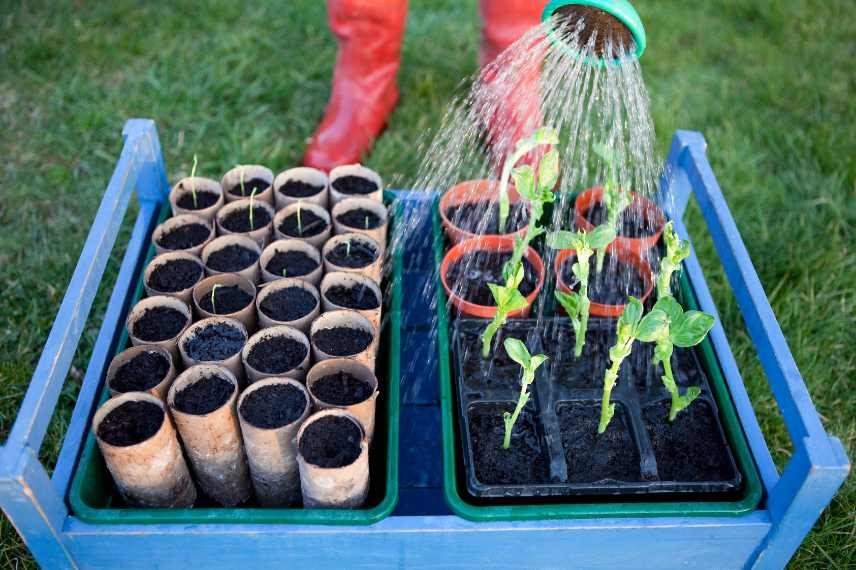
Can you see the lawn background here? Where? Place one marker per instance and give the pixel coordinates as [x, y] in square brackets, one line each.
[770, 84]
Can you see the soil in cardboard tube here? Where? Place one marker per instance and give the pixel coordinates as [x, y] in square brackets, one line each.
[257, 184]
[159, 323]
[354, 185]
[204, 396]
[342, 340]
[273, 406]
[612, 286]
[238, 220]
[184, 236]
[482, 218]
[232, 258]
[142, 372]
[228, 299]
[175, 275]
[299, 189]
[292, 263]
[470, 274]
[311, 224]
[360, 254]
[288, 304]
[331, 441]
[204, 199]
[523, 462]
[131, 423]
[276, 354]
[359, 218]
[215, 342]
[358, 297]
[341, 389]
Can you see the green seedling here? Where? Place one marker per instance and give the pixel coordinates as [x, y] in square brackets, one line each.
[518, 353]
[348, 248]
[213, 292]
[615, 200]
[193, 186]
[243, 191]
[627, 329]
[299, 221]
[252, 198]
[576, 303]
[668, 326]
[285, 272]
[542, 136]
[508, 299]
[677, 250]
[366, 224]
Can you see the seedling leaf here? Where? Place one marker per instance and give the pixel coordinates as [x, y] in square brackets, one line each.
[690, 328]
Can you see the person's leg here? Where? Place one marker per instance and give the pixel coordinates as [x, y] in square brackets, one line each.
[364, 79]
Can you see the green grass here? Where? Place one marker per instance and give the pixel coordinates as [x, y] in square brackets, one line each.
[771, 88]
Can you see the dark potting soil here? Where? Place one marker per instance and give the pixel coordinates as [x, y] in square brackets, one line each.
[331, 441]
[358, 297]
[257, 184]
[273, 406]
[232, 258]
[131, 423]
[299, 189]
[215, 342]
[609, 31]
[469, 276]
[142, 372]
[691, 447]
[632, 222]
[311, 224]
[612, 286]
[159, 323]
[482, 218]
[586, 371]
[175, 275]
[184, 236]
[341, 389]
[204, 396]
[498, 370]
[228, 299]
[204, 199]
[288, 304]
[291, 264]
[276, 354]
[359, 218]
[354, 185]
[593, 457]
[523, 462]
[238, 221]
[360, 254]
[342, 341]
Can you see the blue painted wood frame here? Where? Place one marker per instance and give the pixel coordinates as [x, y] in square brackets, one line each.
[766, 538]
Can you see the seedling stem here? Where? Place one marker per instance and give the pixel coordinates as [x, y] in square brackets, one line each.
[213, 291]
[193, 184]
[518, 352]
[542, 136]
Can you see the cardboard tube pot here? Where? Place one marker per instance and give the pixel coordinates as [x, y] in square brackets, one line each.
[349, 281]
[337, 486]
[377, 233]
[250, 272]
[267, 318]
[270, 441]
[474, 192]
[359, 171]
[296, 370]
[649, 211]
[181, 197]
[175, 285]
[227, 354]
[363, 410]
[312, 237]
[260, 233]
[306, 175]
[373, 270]
[347, 320]
[211, 435]
[162, 236]
[150, 473]
[246, 314]
[139, 378]
[232, 181]
[138, 323]
[283, 247]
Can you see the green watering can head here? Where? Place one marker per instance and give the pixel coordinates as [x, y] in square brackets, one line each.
[612, 20]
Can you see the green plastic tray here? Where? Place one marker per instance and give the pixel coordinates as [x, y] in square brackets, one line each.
[94, 499]
[454, 487]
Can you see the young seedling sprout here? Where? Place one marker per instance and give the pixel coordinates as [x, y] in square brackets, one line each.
[518, 352]
[243, 191]
[193, 185]
[299, 222]
[615, 200]
[677, 250]
[576, 303]
[252, 198]
[626, 330]
[285, 272]
[213, 291]
[542, 136]
[348, 248]
[366, 223]
[508, 299]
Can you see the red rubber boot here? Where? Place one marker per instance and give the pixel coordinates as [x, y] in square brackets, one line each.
[364, 86]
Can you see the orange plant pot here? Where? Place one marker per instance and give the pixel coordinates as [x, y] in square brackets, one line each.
[473, 192]
[589, 198]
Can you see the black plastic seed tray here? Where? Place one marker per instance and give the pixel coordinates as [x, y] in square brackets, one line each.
[555, 449]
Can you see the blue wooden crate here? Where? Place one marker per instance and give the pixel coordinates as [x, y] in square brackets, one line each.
[421, 532]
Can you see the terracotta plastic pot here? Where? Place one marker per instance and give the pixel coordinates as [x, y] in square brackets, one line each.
[316, 240]
[301, 324]
[250, 171]
[246, 315]
[250, 272]
[364, 410]
[349, 280]
[491, 244]
[184, 295]
[139, 310]
[373, 270]
[354, 170]
[232, 362]
[373, 206]
[178, 221]
[307, 175]
[160, 389]
[470, 192]
[347, 319]
[650, 211]
[283, 245]
[186, 186]
[298, 372]
[261, 235]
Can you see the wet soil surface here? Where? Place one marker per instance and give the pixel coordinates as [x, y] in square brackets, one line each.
[184, 237]
[586, 371]
[204, 396]
[469, 276]
[159, 323]
[610, 33]
[341, 389]
[291, 264]
[273, 406]
[215, 342]
[690, 448]
[238, 221]
[257, 184]
[358, 297]
[288, 304]
[612, 286]
[131, 423]
[276, 354]
[497, 370]
[299, 189]
[342, 341]
[632, 222]
[523, 462]
[175, 275]
[359, 218]
[204, 199]
[228, 299]
[593, 457]
[482, 218]
[331, 441]
[232, 258]
[311, 224]
[360, 254]
[142, 372]
[354, 185]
